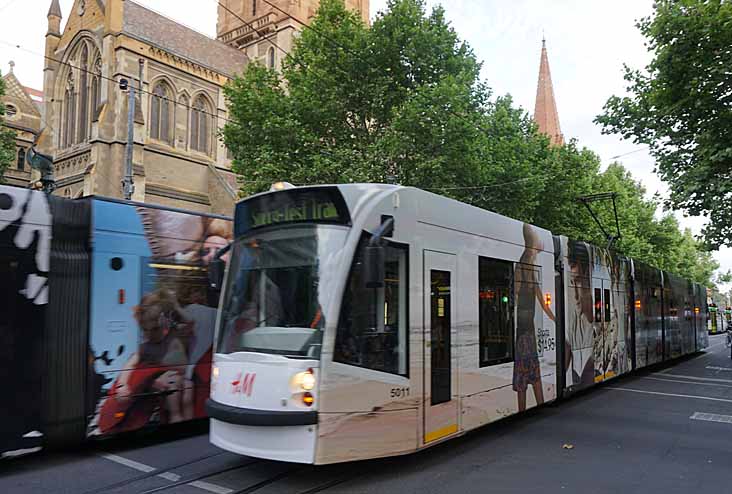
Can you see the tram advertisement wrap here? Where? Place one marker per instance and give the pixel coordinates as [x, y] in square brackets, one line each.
[25, 238]
[152, 316]
[598, 336]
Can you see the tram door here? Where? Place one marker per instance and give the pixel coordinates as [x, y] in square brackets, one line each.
[603, 340]
[441, 407]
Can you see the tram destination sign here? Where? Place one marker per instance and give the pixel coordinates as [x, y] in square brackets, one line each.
[315, 205]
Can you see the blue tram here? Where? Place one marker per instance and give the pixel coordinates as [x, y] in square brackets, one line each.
[106, 319]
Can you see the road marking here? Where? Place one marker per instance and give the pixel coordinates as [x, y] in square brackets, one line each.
[19, 452]
[706, 353]
[129, 463]
[217, 489]
[673, 395]
[689, 382]
[682, 376]
[173, 477]
[712, 417]
[717, 368]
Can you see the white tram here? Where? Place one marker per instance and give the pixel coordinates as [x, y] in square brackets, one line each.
[363, 321]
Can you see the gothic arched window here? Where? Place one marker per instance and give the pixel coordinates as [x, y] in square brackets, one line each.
[21, 159]
[271, 58]
[69, 111]
[200, 125]
[160, 113]
[254, 7]
[83, 95]
[96, 96]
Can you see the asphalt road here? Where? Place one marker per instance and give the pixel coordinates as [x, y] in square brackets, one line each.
[668, 430]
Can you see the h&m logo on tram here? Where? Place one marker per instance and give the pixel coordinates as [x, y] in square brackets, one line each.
[243, 384]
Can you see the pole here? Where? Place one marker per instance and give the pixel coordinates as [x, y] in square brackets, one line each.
[128, 184]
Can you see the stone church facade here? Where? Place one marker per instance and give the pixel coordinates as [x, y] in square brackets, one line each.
[178, 159]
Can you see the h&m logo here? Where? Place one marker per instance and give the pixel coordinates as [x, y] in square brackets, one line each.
[243, 384]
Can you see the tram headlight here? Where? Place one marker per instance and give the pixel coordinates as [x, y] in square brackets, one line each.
[306, 380]
[215, 372]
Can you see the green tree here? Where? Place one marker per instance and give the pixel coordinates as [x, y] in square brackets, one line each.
[403, 99]
[681, 107]
[7, 137]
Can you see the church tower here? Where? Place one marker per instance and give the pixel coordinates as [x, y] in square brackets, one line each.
[546, 115]
[256, 26]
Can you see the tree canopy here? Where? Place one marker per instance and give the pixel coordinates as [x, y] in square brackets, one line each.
[7, 137]
[681, 107]
[402, 101]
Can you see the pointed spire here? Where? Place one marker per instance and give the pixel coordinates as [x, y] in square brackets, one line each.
[546, 115]
[54, 19]
[55, 9]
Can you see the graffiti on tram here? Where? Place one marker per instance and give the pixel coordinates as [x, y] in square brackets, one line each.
[153, 313]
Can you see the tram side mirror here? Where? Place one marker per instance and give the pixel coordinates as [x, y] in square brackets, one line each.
[374, 266]
[216, 274]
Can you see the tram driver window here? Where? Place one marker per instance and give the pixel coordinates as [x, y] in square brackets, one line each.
[372, 330]
[495, 311]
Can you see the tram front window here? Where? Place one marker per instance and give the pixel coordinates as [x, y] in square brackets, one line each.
[276, 291]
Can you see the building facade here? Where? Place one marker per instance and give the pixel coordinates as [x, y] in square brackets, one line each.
[178, 159]
[24, 112]
[265, 29]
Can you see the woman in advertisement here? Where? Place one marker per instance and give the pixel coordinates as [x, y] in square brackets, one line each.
[167, 379]
[526, 368]
[153, 375]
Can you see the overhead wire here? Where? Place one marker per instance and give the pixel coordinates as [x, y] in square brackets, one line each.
[8, 4]
[630, 152]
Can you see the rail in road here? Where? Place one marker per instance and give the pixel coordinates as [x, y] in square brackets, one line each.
[666, 430]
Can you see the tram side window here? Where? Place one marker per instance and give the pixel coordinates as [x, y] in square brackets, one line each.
[598, 305]
[495, 311]
[372, 330]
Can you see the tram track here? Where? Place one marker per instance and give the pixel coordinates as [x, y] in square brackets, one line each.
[155, 473]
[264, 483]
[341, 477]
[200, 477]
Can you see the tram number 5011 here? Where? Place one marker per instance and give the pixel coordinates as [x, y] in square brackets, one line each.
[399, 392]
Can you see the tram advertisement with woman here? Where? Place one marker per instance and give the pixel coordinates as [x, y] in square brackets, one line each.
[150, 302]
[106, 317]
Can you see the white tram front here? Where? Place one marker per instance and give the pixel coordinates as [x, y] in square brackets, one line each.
[363, 321]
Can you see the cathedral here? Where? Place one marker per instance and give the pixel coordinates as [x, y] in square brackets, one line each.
[178, 158]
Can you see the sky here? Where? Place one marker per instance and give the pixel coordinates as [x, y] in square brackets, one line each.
[588, 42]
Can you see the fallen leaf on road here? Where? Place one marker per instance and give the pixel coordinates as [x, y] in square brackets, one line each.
[568, 446]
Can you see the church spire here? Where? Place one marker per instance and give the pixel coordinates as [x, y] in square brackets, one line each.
[54, 18]
[55, 9]
[545, 111]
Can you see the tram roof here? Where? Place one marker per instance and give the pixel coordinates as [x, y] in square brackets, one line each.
[432, 208]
